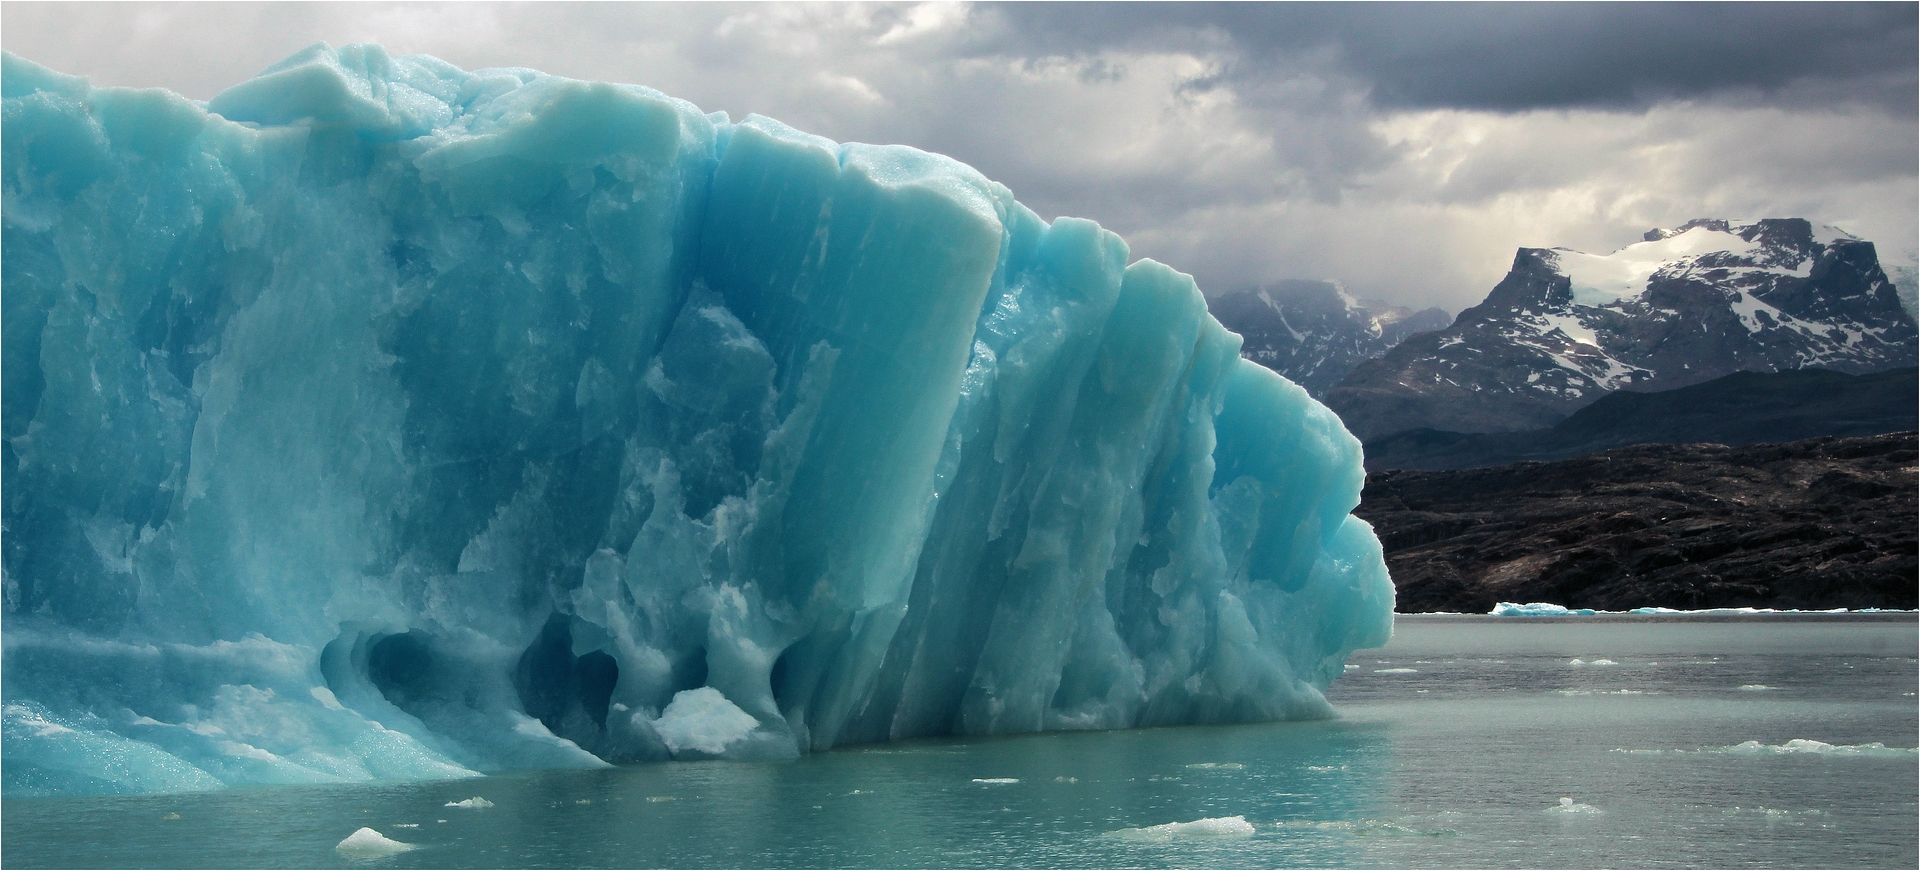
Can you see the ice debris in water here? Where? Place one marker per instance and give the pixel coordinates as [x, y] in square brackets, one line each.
[382, 420]
[1569, 806]
[1873, 749]
[1754, 687]
[1578, 662]
[1538, 609]
[703, 720]
[1820, 748]
[369, 844]
[475, 803]
[1217, 766]
[1235, 826]
[998, 781]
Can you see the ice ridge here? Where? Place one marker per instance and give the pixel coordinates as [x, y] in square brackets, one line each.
[378, 419]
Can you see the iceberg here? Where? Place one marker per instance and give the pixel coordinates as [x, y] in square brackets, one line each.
[1538, 609]
[382, 420]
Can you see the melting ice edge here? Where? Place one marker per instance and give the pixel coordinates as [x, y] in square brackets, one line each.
[382, 420]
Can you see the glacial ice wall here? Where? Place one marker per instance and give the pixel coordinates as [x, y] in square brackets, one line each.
[382, 420]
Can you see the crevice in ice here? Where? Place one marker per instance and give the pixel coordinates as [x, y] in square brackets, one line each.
[568, 694]
[401, 668]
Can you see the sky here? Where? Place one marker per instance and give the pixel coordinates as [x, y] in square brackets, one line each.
[1405, 150]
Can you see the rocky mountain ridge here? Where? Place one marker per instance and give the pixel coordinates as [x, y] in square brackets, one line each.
[1739, 409]
[1681, 307]
[1315, 332]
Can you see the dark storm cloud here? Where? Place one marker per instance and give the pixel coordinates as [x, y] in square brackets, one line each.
[1518, 56]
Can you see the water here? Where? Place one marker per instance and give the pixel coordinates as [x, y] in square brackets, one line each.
[1458, 744]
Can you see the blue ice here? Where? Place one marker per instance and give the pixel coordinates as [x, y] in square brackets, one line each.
[380, 420]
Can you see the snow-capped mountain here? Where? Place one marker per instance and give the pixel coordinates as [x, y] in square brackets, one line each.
[1681, 307]
[1315, 332]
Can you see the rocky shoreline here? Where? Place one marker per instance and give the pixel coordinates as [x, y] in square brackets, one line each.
[1813, 524]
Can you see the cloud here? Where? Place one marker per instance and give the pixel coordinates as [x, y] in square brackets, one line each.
[1522, 56]
[1404, 149]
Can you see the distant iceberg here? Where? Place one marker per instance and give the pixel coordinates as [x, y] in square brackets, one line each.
[1548, 609]
[1538, 609]
[382, 420]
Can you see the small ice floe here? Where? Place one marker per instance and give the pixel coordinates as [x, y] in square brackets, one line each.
[1349, 667]
[660, 798]
[1326, 768]
[406, 825]
[1396, 671]
[1754, 687]
[997, 781]
[1538, 609]
[703, 720]
[171, 817]
[1580, 662]
[369, 844]
[583, 801]
[1213, 827]
[475, 803]
[1216, 766]
[1569, 806]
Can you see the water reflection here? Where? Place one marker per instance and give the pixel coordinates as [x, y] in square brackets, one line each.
[1026, 801]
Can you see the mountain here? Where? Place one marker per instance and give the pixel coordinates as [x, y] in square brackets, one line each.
[1739, 409]
[1682, 307]
[1814, 524]
[1315, 332]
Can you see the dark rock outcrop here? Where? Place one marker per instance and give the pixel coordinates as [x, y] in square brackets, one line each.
[1740, 409]
[1813, 524]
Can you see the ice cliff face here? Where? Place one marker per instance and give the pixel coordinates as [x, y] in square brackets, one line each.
[383, 420]
[1681, 307]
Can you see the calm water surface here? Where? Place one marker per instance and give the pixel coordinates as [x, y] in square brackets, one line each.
[1458, 743]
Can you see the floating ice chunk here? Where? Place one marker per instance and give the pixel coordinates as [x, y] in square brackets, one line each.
[703, 720]
[475, 803]
[1569, 806]
[998, 781]
[406, 825]
[369, 844]
[1754, 687]
[1578, 661]
[1217, 766]
[1396, 671]
[1232, 827]
[1538, 609]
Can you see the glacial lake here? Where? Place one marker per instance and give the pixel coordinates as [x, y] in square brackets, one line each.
[1728, 742]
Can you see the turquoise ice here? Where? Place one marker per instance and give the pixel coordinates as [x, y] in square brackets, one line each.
[379, 420]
